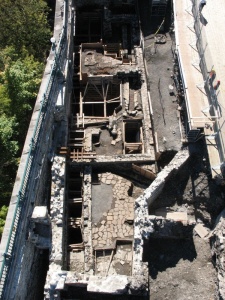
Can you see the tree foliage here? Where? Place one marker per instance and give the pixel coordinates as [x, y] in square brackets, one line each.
[24, 23]
[8, 159]
[24, 40]
[3, 214]
[21, 79]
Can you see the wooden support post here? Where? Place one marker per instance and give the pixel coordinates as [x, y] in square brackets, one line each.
[105, 97]
[81, 104]
[124, 137]
[110, 260]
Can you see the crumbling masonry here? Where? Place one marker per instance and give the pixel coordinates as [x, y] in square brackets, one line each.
[81, 218]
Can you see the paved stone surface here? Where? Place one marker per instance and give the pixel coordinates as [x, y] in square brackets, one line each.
[101, 200]
[113, 224]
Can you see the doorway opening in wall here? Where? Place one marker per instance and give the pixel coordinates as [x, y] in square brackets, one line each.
[75, 209]
[74, 236]
[74, 186]
[116, 33]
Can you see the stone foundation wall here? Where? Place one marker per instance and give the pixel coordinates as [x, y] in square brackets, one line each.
[87, 232]
[218, 253]
[154, 190]
[57, 212]
[143, 223]
[147, 126]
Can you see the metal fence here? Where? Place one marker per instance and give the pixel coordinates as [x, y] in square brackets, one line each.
[206, 65]
[22, 199]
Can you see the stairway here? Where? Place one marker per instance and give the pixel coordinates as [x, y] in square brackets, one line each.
[76, 138]
[193, 135]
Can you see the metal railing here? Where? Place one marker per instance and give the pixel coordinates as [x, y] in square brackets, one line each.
[21, 204]
[206, 66]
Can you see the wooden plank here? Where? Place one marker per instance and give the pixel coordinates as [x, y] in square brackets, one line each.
[110, 260]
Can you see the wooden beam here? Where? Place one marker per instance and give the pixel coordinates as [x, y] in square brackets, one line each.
[97, 90]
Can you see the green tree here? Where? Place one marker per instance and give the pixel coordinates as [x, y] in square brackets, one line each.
[8, 144]
[8, 159]
[24, 39]
[24, 23]
[19, 83]
[3, 214]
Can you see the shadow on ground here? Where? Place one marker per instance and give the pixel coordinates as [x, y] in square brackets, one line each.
[162, 254]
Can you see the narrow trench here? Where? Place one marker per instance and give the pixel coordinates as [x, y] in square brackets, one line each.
[74, 208]
[42, 272]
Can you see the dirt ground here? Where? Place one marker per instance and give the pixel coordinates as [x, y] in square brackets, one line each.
[159, 61]
[181, 270]
[178, 269]
[192, 189]
[160, 65]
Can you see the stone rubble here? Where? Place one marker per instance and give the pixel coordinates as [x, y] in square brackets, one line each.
[110, 284]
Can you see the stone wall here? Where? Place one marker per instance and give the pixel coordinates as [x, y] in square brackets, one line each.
[87, 225]
[147, 126]
[57, 211]
[154, 190]
[218, 253]
[143, 223]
